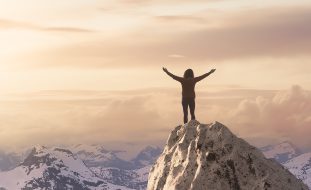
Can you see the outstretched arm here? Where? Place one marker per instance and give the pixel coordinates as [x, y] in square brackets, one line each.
[197, 79]
[171, 75]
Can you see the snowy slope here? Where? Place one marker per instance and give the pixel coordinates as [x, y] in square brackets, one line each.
[98, 156]
[8, 161]
[147, 156]
[281, 152]
[199, 157]
[11, 159]
[131, 178]
[135, 179]
[300, 166]
[95, 158]
[52, 168]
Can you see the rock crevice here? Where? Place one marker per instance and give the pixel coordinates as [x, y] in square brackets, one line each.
[200, 157]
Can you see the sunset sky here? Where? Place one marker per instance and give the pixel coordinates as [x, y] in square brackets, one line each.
[90, 71]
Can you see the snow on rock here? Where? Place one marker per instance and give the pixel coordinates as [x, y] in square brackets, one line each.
[97, 155]
[200, 157]
[10, 159]
[52, 168]
[143, 173]
[281, 152]
[300, 166]
[147, 156]
[135, 179]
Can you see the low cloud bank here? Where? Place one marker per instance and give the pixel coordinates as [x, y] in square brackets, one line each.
[147, 116]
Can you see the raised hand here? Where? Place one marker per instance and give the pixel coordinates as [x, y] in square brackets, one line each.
[213, 70]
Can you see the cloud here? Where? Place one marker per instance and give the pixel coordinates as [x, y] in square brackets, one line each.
[180, 18]
[67, 29]
[10, 24]
[177, 56]
[266, 33]
[170, 1]
[91, 117]
[147, 115]
[286, 115]
[7, 24]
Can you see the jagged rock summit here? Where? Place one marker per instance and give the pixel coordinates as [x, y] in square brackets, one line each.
[211, 157]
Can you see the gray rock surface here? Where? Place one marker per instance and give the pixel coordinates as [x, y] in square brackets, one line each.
[203, 157]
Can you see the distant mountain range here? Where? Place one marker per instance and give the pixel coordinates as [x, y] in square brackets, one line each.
[281, 152]
[75, 167]
[296, 161]
[94, 167]
[52, 168]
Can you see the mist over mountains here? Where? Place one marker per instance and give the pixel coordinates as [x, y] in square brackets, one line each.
[77, 166]
[95, 167]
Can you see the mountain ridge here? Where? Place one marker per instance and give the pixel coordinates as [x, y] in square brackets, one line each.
[137, 176]
[53, 168]
[282, 151]
[198, 157]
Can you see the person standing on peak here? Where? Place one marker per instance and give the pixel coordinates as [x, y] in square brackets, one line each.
[188, 94]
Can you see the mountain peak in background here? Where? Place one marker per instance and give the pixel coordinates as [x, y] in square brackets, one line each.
[199, 156]
[281, 152]
[86, 166]
[97, 155]
[147, 156]
[52, 168]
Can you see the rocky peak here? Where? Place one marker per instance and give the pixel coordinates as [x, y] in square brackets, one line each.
[199, 156]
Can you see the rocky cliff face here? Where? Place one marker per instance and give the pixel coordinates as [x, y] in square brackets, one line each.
[201, 157]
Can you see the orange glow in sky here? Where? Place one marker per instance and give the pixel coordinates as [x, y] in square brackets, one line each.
[82, 64]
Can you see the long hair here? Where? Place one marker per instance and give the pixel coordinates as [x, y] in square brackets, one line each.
[189, 73]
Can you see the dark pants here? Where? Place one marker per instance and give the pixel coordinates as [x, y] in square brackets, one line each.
[186, 101]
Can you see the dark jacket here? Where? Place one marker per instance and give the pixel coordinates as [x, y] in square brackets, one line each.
[188, 84]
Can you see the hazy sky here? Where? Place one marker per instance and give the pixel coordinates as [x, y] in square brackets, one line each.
[89, 71]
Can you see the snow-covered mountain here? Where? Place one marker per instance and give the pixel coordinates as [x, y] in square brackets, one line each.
[198, 157]
[52, 168]
[135, 179]
[281, 152]
[300, 166]
[94, 167]
[99, 163]
[11, 159]
[98, 156]
[147, 156]
[297, 162]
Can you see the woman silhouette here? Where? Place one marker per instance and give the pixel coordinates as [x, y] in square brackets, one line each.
[188, 94]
